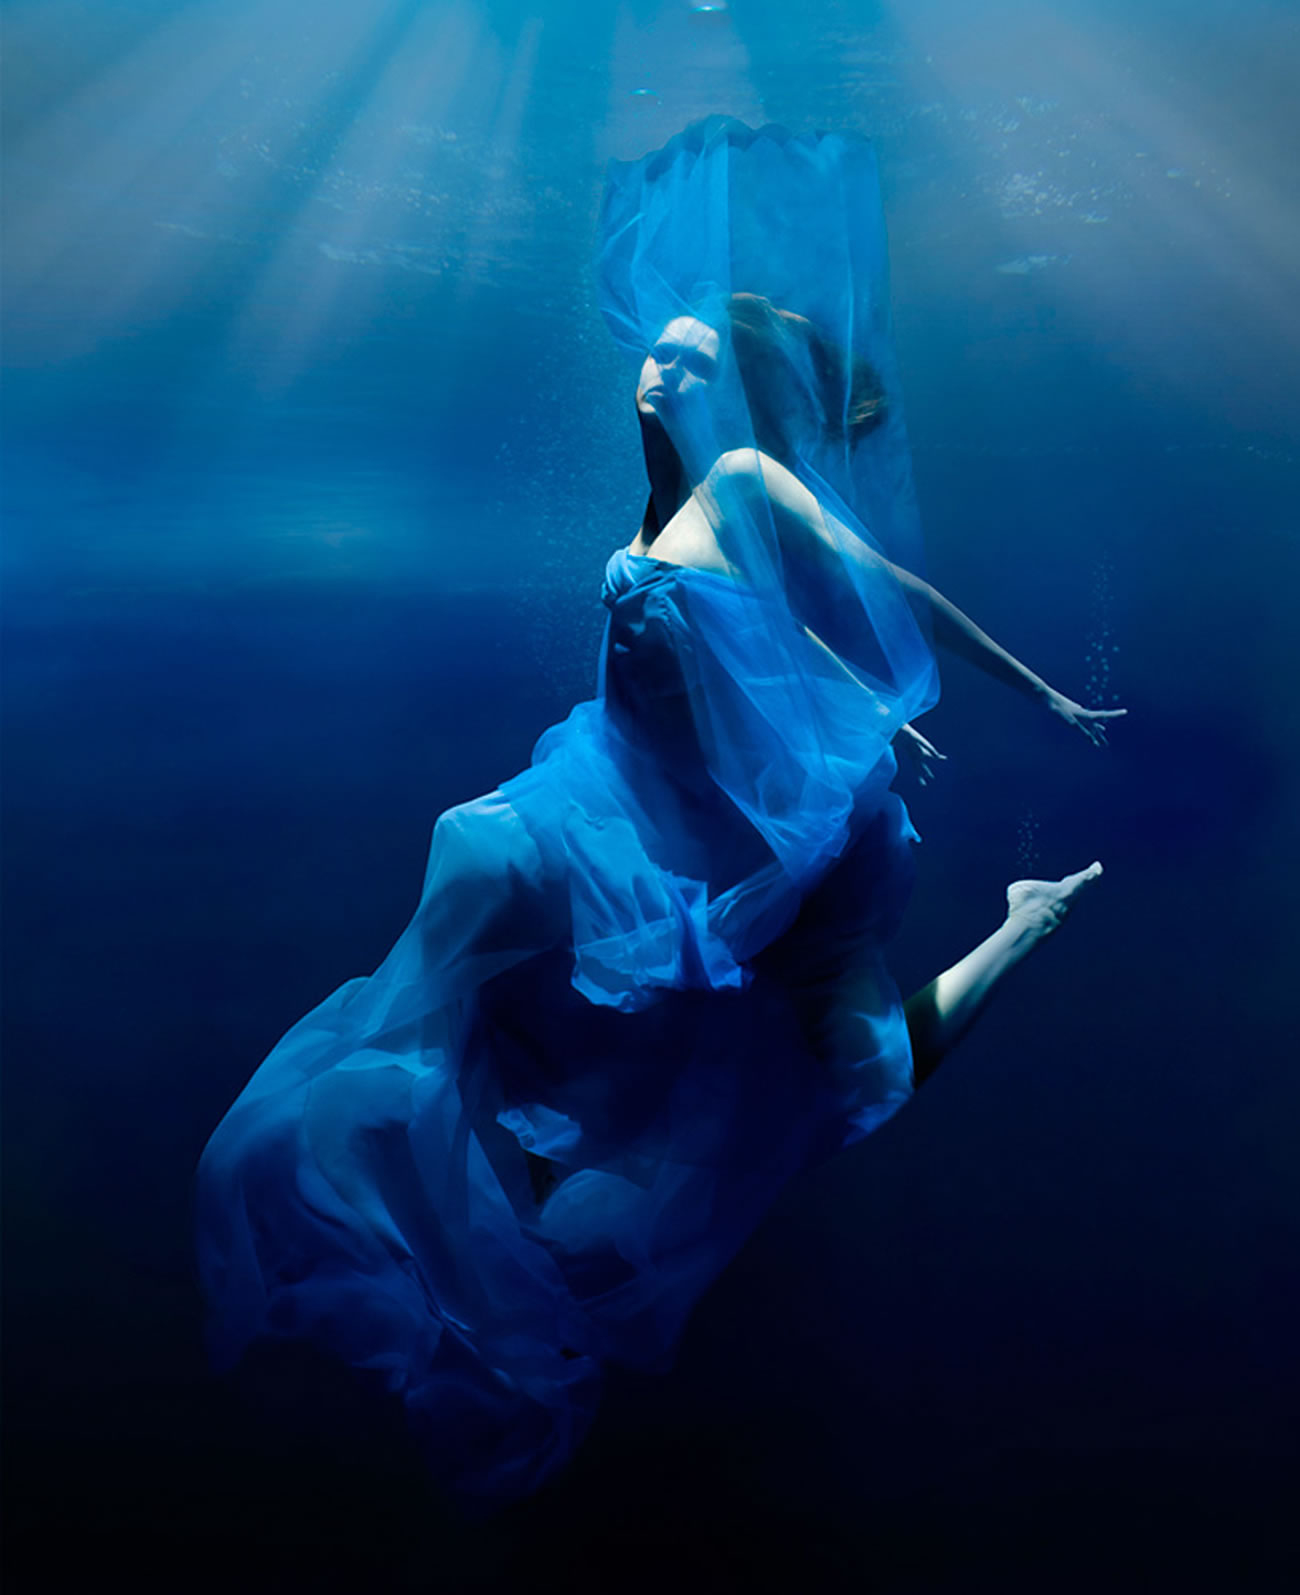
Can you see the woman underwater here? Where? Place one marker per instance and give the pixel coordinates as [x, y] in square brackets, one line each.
[645, 982]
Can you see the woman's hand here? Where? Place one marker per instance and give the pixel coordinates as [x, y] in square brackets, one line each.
[921, 751]
[1092, 722]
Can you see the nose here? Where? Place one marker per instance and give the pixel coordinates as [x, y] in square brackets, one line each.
[672, 371]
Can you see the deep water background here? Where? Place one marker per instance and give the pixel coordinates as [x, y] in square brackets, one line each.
[315, 446]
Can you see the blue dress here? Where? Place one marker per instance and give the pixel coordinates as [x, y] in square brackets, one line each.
[649, 968]
[610, 968]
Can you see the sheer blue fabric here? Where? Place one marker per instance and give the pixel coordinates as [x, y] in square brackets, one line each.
[653, 961]
[796, 219]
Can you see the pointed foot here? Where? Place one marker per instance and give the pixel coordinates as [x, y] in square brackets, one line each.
[1042, 905]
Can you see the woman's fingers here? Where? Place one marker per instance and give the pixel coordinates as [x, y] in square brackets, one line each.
[1091, 723]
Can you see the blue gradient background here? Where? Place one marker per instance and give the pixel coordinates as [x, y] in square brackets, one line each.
[314, 448]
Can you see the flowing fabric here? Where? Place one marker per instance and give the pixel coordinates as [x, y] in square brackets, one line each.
[653, 960]
[797, 219]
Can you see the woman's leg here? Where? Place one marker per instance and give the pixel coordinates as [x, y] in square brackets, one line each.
[942, 1012]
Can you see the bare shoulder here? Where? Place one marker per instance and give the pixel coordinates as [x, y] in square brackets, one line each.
[753, 474]
[752, 465]
[748, 487]
[752, 471]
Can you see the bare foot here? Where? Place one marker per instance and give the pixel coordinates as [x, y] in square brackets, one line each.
[1040, 906]
[942, 1012]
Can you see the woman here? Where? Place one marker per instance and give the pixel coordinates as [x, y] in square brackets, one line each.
[691, 527]
[645, 983]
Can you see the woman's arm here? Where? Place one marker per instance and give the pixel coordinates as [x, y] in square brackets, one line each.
[960, 635]
[807, 540]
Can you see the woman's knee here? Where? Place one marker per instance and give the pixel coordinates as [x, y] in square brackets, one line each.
[485, 869]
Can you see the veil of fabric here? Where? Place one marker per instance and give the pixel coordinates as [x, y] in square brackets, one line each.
[722, 209]
[650, 966]
[791, 731]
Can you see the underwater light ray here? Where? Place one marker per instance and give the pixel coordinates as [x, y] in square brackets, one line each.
[503, 186]
[120, 138]
[359, 70]
[314, 268]
[1141, 142]
[1254, 259]
[89, 260]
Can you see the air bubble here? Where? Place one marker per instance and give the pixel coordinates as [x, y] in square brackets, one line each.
[1027, 844]
[1099, 648]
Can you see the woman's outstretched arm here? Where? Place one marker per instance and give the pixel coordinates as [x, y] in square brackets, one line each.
[806, 537]
[958, 633]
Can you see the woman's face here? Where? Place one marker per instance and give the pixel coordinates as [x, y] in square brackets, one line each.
[680, 367]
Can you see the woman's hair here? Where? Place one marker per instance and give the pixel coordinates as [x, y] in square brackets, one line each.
[798, 384]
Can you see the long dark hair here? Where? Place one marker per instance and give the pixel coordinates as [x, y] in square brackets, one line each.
[798, 384]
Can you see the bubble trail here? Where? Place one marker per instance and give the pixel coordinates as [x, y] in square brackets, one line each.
[1027, 844]
[1099, 661]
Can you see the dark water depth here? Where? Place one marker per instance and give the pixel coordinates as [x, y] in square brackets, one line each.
[314, 448]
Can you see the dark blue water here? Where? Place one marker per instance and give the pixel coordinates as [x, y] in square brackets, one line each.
[315, 446]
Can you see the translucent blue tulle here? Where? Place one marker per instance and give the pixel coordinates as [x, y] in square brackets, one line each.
[645, 981]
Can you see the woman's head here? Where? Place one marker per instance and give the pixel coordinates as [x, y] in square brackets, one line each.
[797, 387]
[680, 367]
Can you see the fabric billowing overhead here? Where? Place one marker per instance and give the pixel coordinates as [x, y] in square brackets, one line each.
[722, 209]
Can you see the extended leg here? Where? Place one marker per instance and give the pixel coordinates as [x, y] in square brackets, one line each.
[942, 1012]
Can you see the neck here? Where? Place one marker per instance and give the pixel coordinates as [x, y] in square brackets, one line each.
[669, 486]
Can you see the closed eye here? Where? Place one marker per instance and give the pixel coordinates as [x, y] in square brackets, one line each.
[695, 361]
